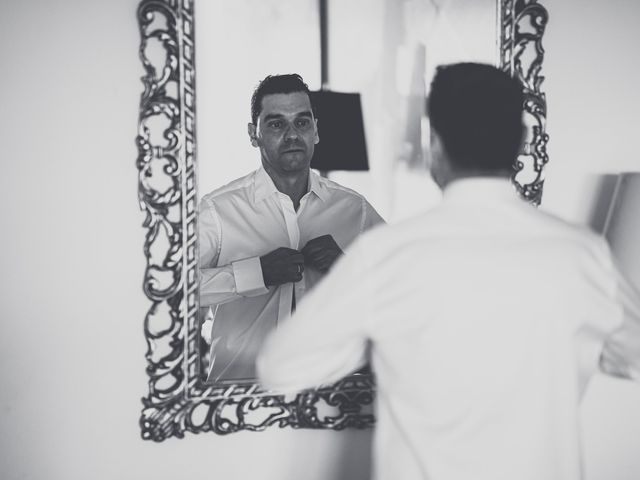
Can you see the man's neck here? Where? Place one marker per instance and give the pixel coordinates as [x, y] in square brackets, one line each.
[455, 175]
[295, 184]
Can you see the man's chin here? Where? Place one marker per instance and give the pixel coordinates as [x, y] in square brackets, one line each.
[296, 165]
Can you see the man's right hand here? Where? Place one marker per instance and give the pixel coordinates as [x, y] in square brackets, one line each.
[283, 265]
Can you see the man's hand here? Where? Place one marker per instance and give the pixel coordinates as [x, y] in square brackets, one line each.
[321, 252]
[283, 265]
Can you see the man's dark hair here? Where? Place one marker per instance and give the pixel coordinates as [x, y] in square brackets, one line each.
[477, 111]
[289, 83]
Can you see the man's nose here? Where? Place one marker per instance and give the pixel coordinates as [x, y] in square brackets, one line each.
[291, 133]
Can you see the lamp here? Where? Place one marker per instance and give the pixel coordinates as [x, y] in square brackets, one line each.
[341, 129]
[622, 227]
[340, 125]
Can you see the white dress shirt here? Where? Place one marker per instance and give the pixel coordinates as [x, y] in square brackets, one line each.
[249, 218]
[485, 319]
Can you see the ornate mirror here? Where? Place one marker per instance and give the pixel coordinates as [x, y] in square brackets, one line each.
[386, 50]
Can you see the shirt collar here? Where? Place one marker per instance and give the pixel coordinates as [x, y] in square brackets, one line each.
[264, 186]
[318, 186]
[480, 190]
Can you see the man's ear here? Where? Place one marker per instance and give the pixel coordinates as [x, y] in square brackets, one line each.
[439, 166]
[435, 145]
[253, 134]
[316, 140]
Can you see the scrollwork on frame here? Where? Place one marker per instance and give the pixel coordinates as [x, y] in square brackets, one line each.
[164, 173]
[179, 400]
[523, 23]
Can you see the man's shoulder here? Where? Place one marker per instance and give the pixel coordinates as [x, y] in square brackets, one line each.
[338, 190]
[582, 239]
[565, 228]
[435, 233]
[438, 222]
[237, 187]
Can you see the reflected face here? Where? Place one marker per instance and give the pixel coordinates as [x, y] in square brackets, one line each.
[286, 132]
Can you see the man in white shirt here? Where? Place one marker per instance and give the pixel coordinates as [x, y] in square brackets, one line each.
[267, 238]
[484, 317]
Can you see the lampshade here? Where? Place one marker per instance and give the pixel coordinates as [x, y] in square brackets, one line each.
[341, 128]
[622, 227]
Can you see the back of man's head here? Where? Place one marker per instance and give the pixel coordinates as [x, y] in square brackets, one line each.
[271, 84]
[476, 109]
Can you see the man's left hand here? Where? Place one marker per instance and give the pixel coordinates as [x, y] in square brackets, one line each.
[321, 253]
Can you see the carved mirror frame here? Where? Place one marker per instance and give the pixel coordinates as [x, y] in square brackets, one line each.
[178, 400]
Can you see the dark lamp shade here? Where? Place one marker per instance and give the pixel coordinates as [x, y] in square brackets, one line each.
[341, 129]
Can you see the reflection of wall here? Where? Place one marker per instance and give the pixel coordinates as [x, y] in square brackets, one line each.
[593, 74]
[238, 43]
[71, 256]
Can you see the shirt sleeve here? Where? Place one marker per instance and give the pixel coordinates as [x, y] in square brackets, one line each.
[326, 338]
[621, 351]
[223, 283]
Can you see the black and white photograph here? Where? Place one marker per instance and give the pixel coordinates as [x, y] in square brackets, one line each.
[320, 240]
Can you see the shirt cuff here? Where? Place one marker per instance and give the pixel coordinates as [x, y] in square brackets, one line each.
[248, 276]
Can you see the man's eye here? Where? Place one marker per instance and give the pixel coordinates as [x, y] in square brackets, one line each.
[302, 122]
[275, 124]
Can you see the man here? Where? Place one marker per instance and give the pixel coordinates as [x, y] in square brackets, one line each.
[484, 317]
[267, 238]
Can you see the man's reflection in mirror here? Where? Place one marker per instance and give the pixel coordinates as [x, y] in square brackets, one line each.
[267, 238]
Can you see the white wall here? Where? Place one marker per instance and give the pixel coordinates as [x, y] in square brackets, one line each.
[72, 367]
[593, 73]
[71, 342]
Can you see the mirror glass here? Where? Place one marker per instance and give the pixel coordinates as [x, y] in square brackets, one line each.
[385, 50]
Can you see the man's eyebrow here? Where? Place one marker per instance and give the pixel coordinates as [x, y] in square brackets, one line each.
[278, 116]
[273, 116]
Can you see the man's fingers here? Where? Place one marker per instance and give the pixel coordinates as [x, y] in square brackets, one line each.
[321, 252]
[290, 252]
[323, 268]
[312, 252]
[318, 247]
[295, 272]
[296, 267]
[298, 258]
[322, 240]
[318, 244]
[324, 261]
[318, 262]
